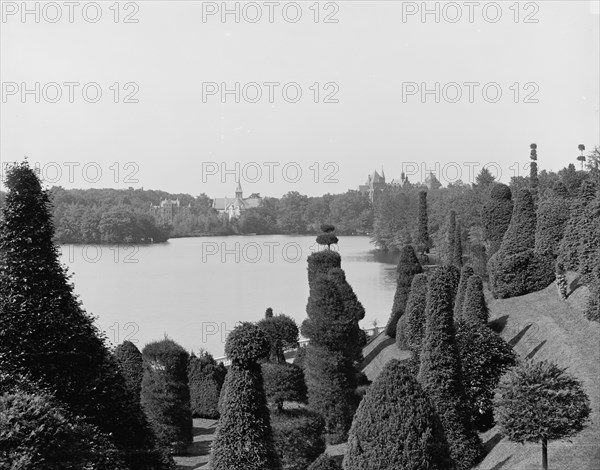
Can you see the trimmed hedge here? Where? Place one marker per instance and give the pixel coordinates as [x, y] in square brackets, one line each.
[552, 217]
[485, 357]
[408, 267]
[415, 316]
[283, 382]
[244, 438]
[396, 427]
[465, 273]
[497, 212]
[165, 394]
[205, 378]
[516, 269]
[440, 373]
[475, 309]
[130, 361]
[320, 262]
[298, 436]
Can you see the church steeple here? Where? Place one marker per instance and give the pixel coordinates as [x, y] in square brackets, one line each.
[238, 191]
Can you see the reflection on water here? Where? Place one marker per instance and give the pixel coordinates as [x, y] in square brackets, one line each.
[196, 289]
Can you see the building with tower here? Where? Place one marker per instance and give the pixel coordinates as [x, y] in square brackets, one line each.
[233, 207]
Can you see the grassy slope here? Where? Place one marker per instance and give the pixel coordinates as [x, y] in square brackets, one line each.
[542, 326]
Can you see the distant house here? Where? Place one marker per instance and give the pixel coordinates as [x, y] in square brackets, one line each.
[166, 211]
[375, 182]
[233, 207]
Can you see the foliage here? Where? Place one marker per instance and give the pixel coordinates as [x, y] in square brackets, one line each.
[244, 438]
[166, 394]
[324, 462]
[320, 262]
[465, 274]
[479, 260]
[457, 254]
[408, 267]
[282, 334]
[45, 333]
[396, 427]
[129, 359]
[284, 382]
[497, 212]
[205, 379]
[450, 239]
[485, 357]
[423, 240]
[552, 217]
[440, 371]
[592, 311]
[415, 316]
[539, 401]
[475, 308]
[298, 436]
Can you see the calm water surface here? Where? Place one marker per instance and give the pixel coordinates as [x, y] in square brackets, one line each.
[195, 289]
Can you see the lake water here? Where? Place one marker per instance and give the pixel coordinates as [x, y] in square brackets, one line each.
[195, 289]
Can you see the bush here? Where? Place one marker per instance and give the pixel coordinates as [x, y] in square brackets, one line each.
[497, 212]
[166, 395]
[129, 358]
[408, 267]
[282, 333]
[396, 427]
[325, 462]
[205, 379]
[475, 309]
[465, 273]
[298, 436]
[588, 250]
[440, 372]
[516, 269]
[244, 438]
[552, 217]
[45, 333]
[283, 382]
[320, 262]
[485, 357]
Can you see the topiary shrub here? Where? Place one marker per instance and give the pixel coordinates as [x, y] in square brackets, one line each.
[401, 338]
[205, 378]
[244, 438]
[396, 427]
[450, 241]
[440, 371]
[325, 462]
[552, 217]
[45, 333]
[298, 436]
[475, 309]
[592, 311]
[408, 267]
[516, 269]
[166, 395]
[130, 361]
[282, 333]
[415, 318]
[423, 240]
[480, 259]
[485, 357]
[457, 256]
[589, 243]
[320, 262]
[36, 431]
[496, 215]
[283, 382]
[465, 273]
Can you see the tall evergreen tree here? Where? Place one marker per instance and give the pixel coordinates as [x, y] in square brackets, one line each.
[130, 362]
[457, 257]
[205, 378]
[475, 309]
[497, 212]
[440, 371]
[45, 333]
[408, 268]
[423, 240]
[450, 238]
[465, 274]
[534, 181]
[396, 427]
[244, 438]
[552, 217]
[415, 317]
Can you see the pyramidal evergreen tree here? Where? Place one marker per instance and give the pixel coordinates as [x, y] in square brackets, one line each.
[475, 309]
[396, 427]
[589, 243]
[497, 212]
[130, 362]
[516, 268]
[534, 181]
[440, 371]
[450, 238]
[415, 318]
[244, 438]
[205, 379]
[552, 217]
[465, 274]
[408, 268]
[423, 239]
[46, 335]
[457, 253]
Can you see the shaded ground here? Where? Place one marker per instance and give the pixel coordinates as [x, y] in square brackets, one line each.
[198, 453]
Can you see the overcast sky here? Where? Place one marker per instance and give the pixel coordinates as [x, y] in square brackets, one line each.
[370, 67]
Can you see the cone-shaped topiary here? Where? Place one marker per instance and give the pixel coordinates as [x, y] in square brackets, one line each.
[298, 435]
[408, 267]
[485, 357]
[166, 394]
[130, 362]
[396, 427]
[497, 212]
[440, 372]
[552, 217]
[320, 262]
[244, 438]
[415, 317]
[479, 259]
[465, 274]
[589, 243]
[450, 238]
[457, 257]
[475, 309]
[516, 269]
[423, 240]
[205, 378]
[45, 333]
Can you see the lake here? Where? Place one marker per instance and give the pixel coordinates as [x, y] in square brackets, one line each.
[196, 289]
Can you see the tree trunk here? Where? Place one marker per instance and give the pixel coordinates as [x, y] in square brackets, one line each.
[545, 453]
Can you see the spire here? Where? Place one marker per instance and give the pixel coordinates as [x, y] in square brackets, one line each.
[382, 173]
[238, 190]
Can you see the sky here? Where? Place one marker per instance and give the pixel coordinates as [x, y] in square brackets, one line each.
[191, 100]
